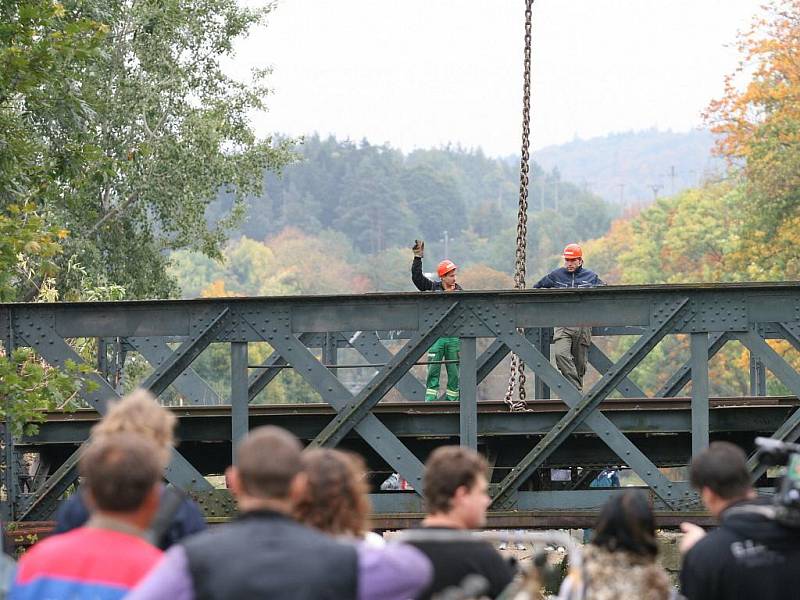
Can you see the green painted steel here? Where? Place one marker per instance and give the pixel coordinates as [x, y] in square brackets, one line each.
[307, 334]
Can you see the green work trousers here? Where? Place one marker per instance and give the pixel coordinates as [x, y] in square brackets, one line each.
[571, 350]
[445, 348]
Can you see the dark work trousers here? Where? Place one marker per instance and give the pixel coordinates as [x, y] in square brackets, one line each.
[571, 350]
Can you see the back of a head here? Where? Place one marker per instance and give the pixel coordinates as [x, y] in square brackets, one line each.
[336, 499]
[268, 459]
[626, 523]
[722, 467]
[447, 469]
[139, 412]
[120, 470]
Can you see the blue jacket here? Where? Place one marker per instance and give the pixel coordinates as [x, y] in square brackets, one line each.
[73, 513]
[561, 278]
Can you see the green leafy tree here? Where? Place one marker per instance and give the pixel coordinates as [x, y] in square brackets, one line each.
[29, 386]
[45, 48]
[758, 127]
[435, 201]
[157, 131]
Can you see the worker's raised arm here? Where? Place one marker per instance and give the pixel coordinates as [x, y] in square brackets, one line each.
[423, 283]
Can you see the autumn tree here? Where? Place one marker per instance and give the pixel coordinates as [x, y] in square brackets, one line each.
[759, 128]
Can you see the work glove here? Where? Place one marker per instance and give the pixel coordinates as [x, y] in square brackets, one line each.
[418, 248]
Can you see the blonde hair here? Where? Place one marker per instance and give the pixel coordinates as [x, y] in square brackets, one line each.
[139, 412]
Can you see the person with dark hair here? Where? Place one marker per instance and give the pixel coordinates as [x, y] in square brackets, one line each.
[178, 515]
[336, 500]
[620, 562]
[265, 553]
[456, 494]
[751, 554]
[109, 555]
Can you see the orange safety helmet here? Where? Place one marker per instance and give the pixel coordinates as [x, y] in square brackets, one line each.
[445, 267]
[573, 251]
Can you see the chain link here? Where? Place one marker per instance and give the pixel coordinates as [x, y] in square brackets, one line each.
[517, 371]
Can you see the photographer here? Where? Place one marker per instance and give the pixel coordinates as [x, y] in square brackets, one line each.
[751, 554]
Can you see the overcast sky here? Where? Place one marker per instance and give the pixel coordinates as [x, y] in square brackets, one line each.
[422, 73]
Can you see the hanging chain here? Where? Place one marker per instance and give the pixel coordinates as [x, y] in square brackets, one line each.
[517, 372]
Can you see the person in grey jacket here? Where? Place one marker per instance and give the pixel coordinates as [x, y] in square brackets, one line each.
[571, 343]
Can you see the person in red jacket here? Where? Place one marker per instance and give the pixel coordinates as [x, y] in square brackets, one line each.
[107, 557]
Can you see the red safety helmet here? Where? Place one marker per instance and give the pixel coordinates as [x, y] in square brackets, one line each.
[573, 251]
[445, 267]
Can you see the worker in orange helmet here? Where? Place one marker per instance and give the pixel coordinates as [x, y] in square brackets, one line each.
[571, 343]
[446, 348]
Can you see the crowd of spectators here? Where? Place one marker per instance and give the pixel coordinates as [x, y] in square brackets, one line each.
[302, 531]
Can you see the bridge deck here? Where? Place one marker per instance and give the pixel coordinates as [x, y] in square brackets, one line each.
[659, 426]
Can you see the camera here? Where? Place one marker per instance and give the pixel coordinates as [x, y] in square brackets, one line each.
[786, 501]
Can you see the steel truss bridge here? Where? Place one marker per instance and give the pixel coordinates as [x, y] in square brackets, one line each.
[612, 423]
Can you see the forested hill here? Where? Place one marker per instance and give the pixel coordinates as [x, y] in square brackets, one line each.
[626, 166]
[379, 200]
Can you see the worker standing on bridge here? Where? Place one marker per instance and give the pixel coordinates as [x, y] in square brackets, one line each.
[571, 343]
[446, 348]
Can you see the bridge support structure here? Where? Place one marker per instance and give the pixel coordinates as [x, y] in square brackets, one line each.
[307, 334]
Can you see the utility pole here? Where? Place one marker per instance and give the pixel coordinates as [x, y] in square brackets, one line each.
[541, 194]
[446, 241]
[655, 187]
[555, 198]
[672, 180]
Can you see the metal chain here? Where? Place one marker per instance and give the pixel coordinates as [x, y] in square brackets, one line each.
[517, 371]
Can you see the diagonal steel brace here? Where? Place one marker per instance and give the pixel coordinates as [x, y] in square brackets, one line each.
[790, 430]
[189, 384]
[374, 432]
[271, 368]
[602, 363]
[56, 352]
[349, 416]
[183, 356]
[490, 358]
[370, 347]
[587, 405]
[683, 375]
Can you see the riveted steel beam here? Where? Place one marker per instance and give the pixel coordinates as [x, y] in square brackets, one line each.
[43, 501]
[490, 358]
[240, 416]
[272, 368]
[790, 430]
[664, 318]
[468, 397]
[684, 375]
[790, 331]
[189, 384]
[374, 432]
[183, 356]
[699, 359]
[8, 510]
[602, 363]
[599, 423]
[366, 399]
[368, 344]
[57, 352]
